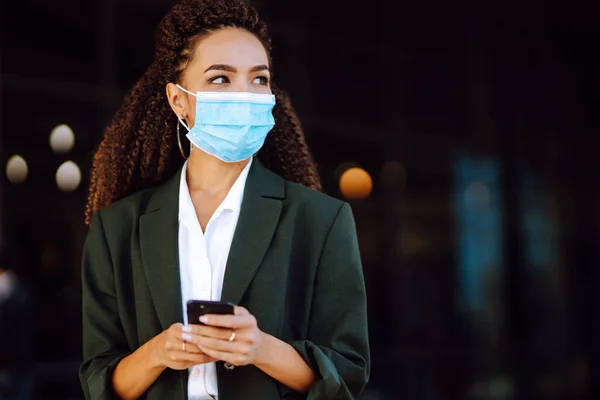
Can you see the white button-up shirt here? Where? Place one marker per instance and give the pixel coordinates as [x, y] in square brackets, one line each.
[202, 261]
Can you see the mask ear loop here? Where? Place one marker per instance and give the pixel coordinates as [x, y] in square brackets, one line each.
[178, 123]
[179, 143]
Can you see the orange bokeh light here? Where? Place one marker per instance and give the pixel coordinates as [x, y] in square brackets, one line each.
[356, 184]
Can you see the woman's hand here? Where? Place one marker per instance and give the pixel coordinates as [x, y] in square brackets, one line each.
[171, 351]
[234, 339]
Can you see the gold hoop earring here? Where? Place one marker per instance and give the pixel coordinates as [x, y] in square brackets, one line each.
[179, 142]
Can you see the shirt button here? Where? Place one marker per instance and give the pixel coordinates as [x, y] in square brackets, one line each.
[228, 366]
[195, 372]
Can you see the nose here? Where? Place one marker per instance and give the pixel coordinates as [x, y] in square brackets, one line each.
[241, 84]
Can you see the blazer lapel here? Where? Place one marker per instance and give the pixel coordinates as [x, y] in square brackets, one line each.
[159, 232]
[159, 236]
[259, 216]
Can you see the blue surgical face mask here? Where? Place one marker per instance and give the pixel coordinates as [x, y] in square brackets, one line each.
[231, 126]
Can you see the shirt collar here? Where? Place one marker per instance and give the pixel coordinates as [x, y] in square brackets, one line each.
[232, 202]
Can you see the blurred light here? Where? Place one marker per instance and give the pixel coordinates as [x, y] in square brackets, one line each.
[356, 184]
[16, 169]
[392, 174]
[477, 194]
[62, 139]
[68, 176]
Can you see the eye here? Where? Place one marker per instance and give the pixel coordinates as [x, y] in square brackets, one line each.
[219, 80]
[261, 80]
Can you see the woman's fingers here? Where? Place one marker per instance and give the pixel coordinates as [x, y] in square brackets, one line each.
[208, 331]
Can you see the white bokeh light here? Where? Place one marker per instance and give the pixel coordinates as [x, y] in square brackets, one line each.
[16, 169]
[68, 176]
[62, 139]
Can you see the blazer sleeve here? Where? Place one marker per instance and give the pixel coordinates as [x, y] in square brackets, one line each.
[337, 346]
[104, 343]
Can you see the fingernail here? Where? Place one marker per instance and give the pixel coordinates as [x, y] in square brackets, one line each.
[187, 329]
[204, 319]
[187, 336]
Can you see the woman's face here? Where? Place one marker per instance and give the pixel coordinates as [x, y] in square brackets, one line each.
[227, 60]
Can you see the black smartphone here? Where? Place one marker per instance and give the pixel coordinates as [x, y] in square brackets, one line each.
[197, 308]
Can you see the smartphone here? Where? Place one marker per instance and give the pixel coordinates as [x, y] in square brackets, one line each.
[197, 308]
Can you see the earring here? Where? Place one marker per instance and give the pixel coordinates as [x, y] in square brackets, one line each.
[179, 142]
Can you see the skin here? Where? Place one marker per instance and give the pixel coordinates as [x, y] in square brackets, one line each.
[229, 60]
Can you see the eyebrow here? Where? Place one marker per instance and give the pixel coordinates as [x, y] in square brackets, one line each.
[229, 68]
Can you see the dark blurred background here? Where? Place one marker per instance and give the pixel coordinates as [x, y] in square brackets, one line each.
[476, 200]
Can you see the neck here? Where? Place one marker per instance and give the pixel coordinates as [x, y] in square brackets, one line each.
[208, 174]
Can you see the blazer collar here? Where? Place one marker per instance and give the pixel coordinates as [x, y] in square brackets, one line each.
[261, 181]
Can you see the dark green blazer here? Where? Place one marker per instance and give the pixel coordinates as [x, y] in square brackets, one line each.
[294, 264]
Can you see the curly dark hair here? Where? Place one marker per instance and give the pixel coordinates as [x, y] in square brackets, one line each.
[139, 148]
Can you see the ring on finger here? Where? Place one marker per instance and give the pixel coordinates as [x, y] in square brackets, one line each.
[232, 337]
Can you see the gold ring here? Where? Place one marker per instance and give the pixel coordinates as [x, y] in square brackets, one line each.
[183, 346]
[232, 337]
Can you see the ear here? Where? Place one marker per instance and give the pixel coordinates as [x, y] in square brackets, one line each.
[177, 100]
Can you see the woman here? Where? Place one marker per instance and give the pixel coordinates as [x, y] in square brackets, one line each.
[223, 225]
